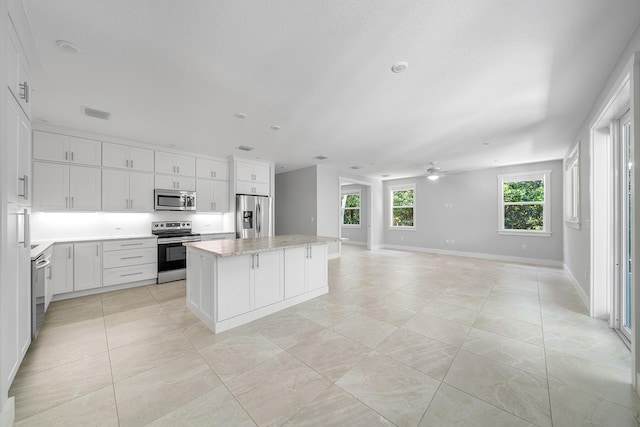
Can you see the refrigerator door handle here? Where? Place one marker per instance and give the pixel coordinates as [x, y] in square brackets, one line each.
[258, 213]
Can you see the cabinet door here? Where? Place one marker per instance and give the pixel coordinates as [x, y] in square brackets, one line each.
[9, 297]
[85, 189]
[115, 191]
[62, 269]
[204, 194]
[187, 184]
[13, 61]
[294, 271]
[268, 283]
[234, 286]
[252, 188]
[141, 159]
[24, 160]
[261, 173]
[87, 265]
[317, 267]
[141, 192]
[18, 164]
[221, 196]
[244, 171]
[165, 182]
[50, 186]
[185, 165]
[115, 155]
[204, 168]
[84, 151]
[50, 146]
[220, 170]
[164, 163]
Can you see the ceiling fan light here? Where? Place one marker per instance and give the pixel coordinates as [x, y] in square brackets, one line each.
[433, 177]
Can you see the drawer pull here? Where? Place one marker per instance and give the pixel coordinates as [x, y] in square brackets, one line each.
[131, 274]
[132, 257]
[131, 244]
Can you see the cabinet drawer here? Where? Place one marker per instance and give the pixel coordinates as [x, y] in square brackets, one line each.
[129, 257]
[116, 276]
[116, 245]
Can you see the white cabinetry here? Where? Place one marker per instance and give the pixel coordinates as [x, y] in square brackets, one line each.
[175, 164]
[212, 169]
[252, 178]
[68, 149]
[305, 269]
[59, 187]
[213, 196]
[127, 191]
[126, 157]
[18, 74]
[126, 261]
[216, 236]
[175, 183]
[18, 164]
[87, 265]
[62, 268]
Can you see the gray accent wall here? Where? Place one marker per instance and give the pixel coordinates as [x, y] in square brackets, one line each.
[295, 208]
[358, 234]
[463, 207]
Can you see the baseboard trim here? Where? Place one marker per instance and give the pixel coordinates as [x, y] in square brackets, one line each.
[8, 414]
[102, 290]
[581, 293]
[494, 257]
[353, 243]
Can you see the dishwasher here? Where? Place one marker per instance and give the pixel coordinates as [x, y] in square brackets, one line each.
[40, 267]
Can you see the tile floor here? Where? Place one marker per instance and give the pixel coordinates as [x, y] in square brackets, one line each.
[402, 338]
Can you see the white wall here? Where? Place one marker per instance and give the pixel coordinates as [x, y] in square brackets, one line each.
[358, 234]
[295, 202]
[471, 218]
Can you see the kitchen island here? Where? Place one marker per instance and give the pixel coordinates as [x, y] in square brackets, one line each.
[235, 281]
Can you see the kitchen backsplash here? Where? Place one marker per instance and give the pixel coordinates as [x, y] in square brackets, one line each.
[56, 225]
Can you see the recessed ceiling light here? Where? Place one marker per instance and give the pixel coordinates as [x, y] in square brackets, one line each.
[245, 148]
[275, 127]
[399, 67]
[241, 115]
[67, 46]
[356, 167]
[484, 144]
[321, 157]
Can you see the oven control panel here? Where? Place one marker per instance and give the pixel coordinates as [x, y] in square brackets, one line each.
[160, 226]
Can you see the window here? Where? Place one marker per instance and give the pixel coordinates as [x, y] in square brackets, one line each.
[524, 203]
[350, 203]
[572, 188]
[402, 206]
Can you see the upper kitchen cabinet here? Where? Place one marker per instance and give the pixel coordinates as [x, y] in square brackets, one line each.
[175, 164]
[18, 164]
[212, 169]
[18, 74]
[64, 148]
[252, 177]
[59, 187]
[124, 191]
[126, 157]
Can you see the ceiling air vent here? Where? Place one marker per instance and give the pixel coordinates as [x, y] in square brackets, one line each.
[321, 157]
[245, 148]
[96, 113]
[356, 167]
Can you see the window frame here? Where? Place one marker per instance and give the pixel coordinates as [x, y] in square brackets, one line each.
[347, 192]
[400, 187]
[545, 176]
[571, 170]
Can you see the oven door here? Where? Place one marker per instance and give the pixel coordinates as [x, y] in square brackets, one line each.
[171, 256]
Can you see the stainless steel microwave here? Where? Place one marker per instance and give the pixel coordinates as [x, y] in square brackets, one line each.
[174, 200]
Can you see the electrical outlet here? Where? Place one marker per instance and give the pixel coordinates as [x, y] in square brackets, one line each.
[453, 241]
[448, 242]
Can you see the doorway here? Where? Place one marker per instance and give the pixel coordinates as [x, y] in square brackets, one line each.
[356, 212]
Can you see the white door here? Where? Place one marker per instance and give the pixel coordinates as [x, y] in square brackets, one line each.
[204, 168]
[220, 170]
[625, 281]
[85, 189]
[204, 194]
[85, 151]
[115, 191]
[62, 269]
[164, 163]
[87, 265]
[317, 267]
[185, 165]
[50, 187]
[268, 283]
[294, 271]
[221, 196]
[9, 297]
[141, 192]
[141, 159]
[115, 155]
[186, 184]
[50, 146]
[234, 286]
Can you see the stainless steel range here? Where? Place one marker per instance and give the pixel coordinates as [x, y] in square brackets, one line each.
[172, 256]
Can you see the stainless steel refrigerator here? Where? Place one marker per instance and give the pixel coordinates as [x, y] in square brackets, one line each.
[253, 216]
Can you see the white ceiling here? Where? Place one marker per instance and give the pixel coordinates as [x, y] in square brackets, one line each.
[518, 74]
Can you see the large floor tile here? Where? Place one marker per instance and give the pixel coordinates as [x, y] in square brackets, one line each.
[53, 387]
[167, 291]
[275, 390]
[137, 330]
[454, 312]
[158, 391]
[364, 329]
[236, 355]
[217, 407]
[97, 409]
[342, 356]
[395, 391]
[427, 355]
[286, 329]
[337, 408]
[518, 392]
[452, 407]
[512, 328]
[446, 331]
[127, 299]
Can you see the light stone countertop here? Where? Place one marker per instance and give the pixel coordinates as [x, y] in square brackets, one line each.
[231, 247]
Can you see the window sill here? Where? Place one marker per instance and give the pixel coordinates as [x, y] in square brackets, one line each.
[402, 228]
[351, 226]
[572, 224]
[524, 233]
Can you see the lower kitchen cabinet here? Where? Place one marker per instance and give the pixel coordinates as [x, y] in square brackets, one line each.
[62, 268]
[87, 265]
[127, 261]
[305, 269]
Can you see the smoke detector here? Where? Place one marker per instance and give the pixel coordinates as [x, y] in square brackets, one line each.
[67, 47]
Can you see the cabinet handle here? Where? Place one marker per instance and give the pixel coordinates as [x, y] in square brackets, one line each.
[66, 202]
[127, 203]
[25, 187]
[69, 252]
[214, 206]
[131, 163]
[253, 261]
[178, 169]
[66, 155]
[26, 231]
[97, 249]
[131, 244]
[130, 203]
[72, 156]
[211, 205]
[50, 272]
[178, 184]
[131, 274]
[258, 258]
[126, 162]
[71, 202]
[132, 257]
[24, 87]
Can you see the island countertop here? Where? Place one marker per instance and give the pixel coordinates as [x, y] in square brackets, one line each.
[231, 247]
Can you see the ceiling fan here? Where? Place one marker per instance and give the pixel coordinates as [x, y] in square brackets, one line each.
[434, 172]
